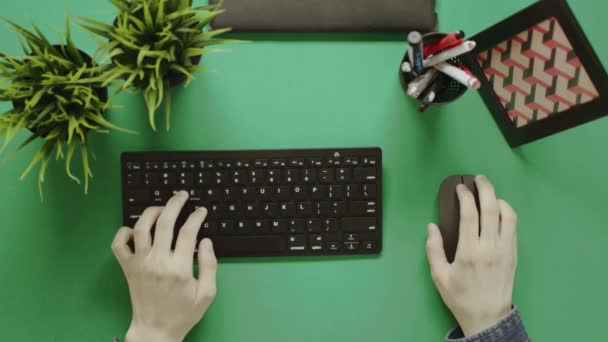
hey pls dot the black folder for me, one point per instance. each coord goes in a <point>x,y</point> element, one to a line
<point>327,15</point>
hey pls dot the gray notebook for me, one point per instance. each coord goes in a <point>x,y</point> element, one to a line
<point>327,15</point>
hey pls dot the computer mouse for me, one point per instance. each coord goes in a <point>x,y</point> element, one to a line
<point>449,211</point>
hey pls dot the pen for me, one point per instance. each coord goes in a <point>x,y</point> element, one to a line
<point>451,40</point>
<point>417,86</point>
<point>458,74</point>
<point>406,67</point>
<point>456,51</point>
<point>414,39</point>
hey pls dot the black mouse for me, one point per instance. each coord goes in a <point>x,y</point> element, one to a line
<point>449,211</point>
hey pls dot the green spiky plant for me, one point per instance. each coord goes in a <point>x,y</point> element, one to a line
<point>153,43</point>
<point>57,96</point>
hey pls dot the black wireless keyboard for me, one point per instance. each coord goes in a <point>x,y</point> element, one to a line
<point>267,203</point>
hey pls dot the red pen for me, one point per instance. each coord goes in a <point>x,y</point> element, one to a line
<point>447,42</point>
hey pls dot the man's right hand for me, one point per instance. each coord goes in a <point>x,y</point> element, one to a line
<point>478,286</point>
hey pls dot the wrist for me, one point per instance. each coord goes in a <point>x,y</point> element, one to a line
<point>137,333</point>
<point>477,324</point>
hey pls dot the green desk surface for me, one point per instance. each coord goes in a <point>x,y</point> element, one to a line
<point>59,280</point>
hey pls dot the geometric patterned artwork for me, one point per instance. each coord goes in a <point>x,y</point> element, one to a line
<point>537,73</point>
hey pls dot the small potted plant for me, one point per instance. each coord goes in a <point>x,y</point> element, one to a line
<point>155,45</point>
<point>57,95</point>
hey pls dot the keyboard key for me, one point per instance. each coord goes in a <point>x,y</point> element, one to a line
<point>287,209</point>
<point>368,161</point>
<point>134,212</point>
<point>231,194</point>
<point>279,226</point>
<point>244,227</point>
<point>252,210</point>
<point>362,208</point>
<point>336,191</point>
<point>351,246</point>
<point>196,195</point>
<point>314,225</point>
<point>330,225</point>
<point>296,243</point>
<point>185,178</point>
<point>316,242</point>
<point>333,246</point>
<point>369,245</point>
<point>351,237</point>
<point>300,192</point>
<point>322,209</point>
<point>351,161</point>
<point>369,191</point>
<point>276,163</point>
<point>344,175</point>
<point>221,177</point>
<point>260,163</point>
<point>297,226</point>
<point>291,176</point>
<point>318,192</point>
<point>338,209</point>
<point>159,197</point>
<point>354,192</point>
<point>238,177</point>
<point>212,194</point>
<point>234,210</point>
<point>249,194</point>
<point>257,177</point>
<point>274,177</point>
<point>327,175</point>
<point>264,193</point>
<point>364,174</point>
<point>282,193</point>
<point>249,245</point>
<point>208,228</point>
<point>270,209</point>
<point>202,178</point>
<point>134,165</point>
<point>359,224</point>
<point>308,176</point>
<point>261,226</point>
<point>225,227</point>
<point>138,196</point>
<point>315,162</point>
<point>133,179</point>
<point>304,209</point>
<point>168,178</point>
<point>245,164</point>
<point>216,211</point>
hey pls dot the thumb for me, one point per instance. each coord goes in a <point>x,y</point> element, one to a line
<point>435,253</point>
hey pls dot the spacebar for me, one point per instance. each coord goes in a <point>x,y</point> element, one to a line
<point>248,245</point>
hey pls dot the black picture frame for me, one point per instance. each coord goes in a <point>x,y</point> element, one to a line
<point>557,122</point>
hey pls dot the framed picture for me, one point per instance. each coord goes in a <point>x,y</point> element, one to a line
<point>539,74</point>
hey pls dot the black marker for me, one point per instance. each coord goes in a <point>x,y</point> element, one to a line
<point>433,91</point>
<point>415,51</point>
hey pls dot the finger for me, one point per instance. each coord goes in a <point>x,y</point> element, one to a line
<point>163,236</point>
<point>143,226</point>
<point>469,220</point>
<point>207,269</point>
<point>508,224</point>
<point>186,240</point>
<point>120,246</point>
<point>436,254</point>
<point>488,211</point>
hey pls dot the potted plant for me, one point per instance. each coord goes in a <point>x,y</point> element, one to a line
<point>56,95</point>
<point>155,45</point>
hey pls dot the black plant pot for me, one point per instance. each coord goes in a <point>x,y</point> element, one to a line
<point>102,92</point>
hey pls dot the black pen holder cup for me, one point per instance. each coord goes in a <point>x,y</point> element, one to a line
<point>453,89</point>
